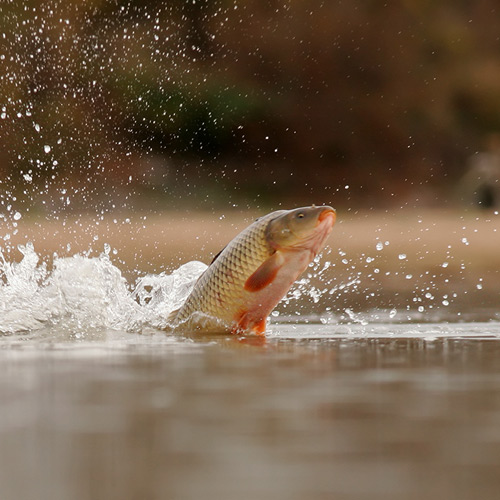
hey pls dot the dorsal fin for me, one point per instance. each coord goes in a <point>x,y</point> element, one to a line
<point>217,256</point>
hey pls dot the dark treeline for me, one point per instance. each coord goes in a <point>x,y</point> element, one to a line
<point>269,91</point>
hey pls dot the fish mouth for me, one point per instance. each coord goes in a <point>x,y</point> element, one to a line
<point>326,220</point>
<point>327,213</point>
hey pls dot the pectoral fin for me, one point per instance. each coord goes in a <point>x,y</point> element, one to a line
<point>265,273</point>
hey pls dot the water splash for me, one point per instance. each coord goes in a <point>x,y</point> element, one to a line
<point>159,295</point>
<point>84,294</point>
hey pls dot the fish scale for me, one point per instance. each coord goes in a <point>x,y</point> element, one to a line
<point>221,287</point>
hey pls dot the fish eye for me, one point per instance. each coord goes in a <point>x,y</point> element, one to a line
<point>300,215</point>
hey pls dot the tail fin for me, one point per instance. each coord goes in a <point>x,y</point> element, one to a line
<point>172,316</point>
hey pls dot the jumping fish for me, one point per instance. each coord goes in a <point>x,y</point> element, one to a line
<point>247,279</point>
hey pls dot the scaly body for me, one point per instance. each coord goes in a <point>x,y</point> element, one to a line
<point>249,277</point>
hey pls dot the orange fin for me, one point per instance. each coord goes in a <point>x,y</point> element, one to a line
<point>260,327</point>
<point>241,324</point>
<point>265,273</point>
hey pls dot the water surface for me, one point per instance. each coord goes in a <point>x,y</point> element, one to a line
<point>379,378</point>
<point>374,411</point>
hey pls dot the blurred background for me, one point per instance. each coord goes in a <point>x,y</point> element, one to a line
<point>153,131</point>
<point>131,104</point>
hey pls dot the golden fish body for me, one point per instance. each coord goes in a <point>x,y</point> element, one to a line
<point>255,270</point>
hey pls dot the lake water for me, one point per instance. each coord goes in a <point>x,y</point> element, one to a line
<point>378,379</point>
<point>314,411</point>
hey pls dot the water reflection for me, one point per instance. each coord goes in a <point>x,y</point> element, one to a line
<point>157,417</point>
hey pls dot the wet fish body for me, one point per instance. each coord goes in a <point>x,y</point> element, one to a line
<point>248,278</point>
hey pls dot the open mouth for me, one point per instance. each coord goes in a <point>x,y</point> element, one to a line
<point>327,213</point>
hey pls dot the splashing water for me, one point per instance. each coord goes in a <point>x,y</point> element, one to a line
<point>83,294</point>
<point>159,295</point>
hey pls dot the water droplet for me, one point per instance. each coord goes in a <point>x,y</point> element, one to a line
<point>402,256</point>
<point>379,246</point>
<point>17,216</point>
<point>46,149</point>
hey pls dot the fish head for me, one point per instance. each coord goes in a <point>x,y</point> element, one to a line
<point>301,228</point>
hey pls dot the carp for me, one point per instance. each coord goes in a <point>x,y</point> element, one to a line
<point>247,279</point>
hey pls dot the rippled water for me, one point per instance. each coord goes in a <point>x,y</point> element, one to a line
<point>98,403</point>
<point>313,411</point>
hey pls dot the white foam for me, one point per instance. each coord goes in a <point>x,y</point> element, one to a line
<point>83,294</point>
